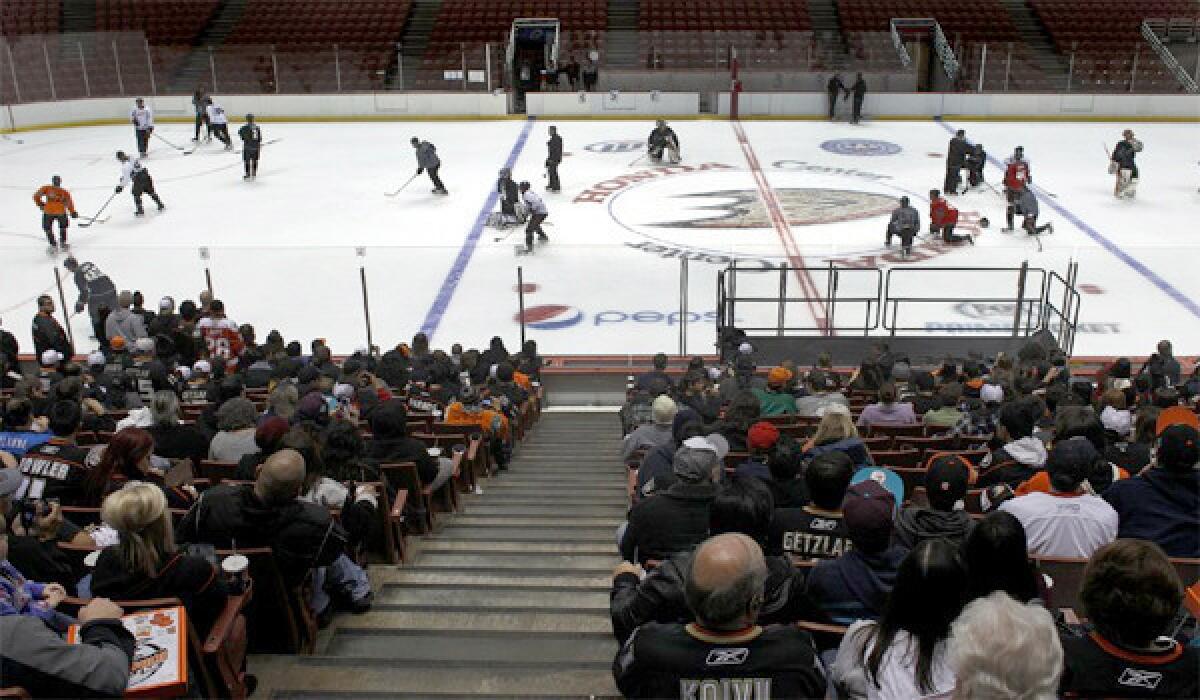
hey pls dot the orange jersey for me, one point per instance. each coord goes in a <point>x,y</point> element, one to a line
<point>489,421</point>
<point>53,200</point>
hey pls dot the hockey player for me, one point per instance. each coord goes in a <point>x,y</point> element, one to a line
<point>537,214</point>
<point>956,158</point>
<point>1027,206</point>
<point>905,223</point>
<point>427,159</point>
<point>1017,179</point>
<point>133,171</point>
<point>55,202</point>
<point>943,218</point>
<point>554,154</point>
<point>859,92</point>
<point>95,288</point>
<point>142,118</point>
<point>199,103</point>
<point>662,138</point>
<point>1123,166</point>
<point>832,88</point>
<point>976,160</point>
<point>220,123</point>
<point>509,196</point>
<point>251,136</point>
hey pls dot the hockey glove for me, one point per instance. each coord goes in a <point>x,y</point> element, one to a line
<point>79,307</point>
<point>74,215</point>
<point>420,170</point>
<point>119,189</point>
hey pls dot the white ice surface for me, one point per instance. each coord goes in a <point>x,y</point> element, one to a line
<point>283,250</point>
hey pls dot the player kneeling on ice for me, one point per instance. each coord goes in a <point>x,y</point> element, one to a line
<point>133,171</point>
<point>905,223</point>
<point>537,214</point>
<point>1027,206</point>
<point>1122,165</point>
<point>510,197</point>
<point>663,138</point>
<point>55,202</point>
<point>943,218</point>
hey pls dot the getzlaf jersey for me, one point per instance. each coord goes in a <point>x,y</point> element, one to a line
<point>1097,668</point>
<point>222,339</point>
<point>809,535</point>
<point>56,469</point>
<point>687,661</point>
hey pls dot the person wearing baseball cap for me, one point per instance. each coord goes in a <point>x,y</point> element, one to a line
<point>946,480</point>
<point>1068,521</point>
<point>1162,504</point>
<point>776,399</point>
<point>657,432</point>
<point>676,519</point>
<point>761,438</point>
<point>856,585</point>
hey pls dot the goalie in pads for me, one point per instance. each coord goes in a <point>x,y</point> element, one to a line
<point>1123,166</point>
<point>663,141</point>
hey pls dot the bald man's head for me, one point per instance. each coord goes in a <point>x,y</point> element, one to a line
<point>281,478</point>
<point>725,582</point>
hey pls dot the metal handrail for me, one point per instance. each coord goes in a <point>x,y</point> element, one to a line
<point>1168,58</point>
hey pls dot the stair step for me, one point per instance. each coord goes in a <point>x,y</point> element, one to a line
<point>475,620</point>
<point>476,647</point>
<point>325,677</point>
<point>486,598</point>
<point>468,577</point>
<point>501,561</point>
<point>615,511</point>
<point>550,479</point>
<point>446,544</point>
<point>549,535</point>
<point>564,523</point>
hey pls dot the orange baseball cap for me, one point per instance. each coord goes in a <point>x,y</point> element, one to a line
<point>117,343</point>
<point>779,375</point>
<point>1176,415</point>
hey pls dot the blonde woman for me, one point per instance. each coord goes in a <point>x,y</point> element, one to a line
<point>836,432</point>
<point>145,563</point>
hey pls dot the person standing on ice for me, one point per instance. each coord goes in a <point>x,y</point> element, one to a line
<point>663,138</point>
<point>251,136</point>
<point>142,118</point>
<point>833,87</point>
<point>537,214</point>
<point>133,171</point>
<point>55,201</point>
<point>506,187</point>
<point>554,155</point>
<point>1123,166</point>
<point>956,158</point>
<point>427,160</point>
<point>859,91</point>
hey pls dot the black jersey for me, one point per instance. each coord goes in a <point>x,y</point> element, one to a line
<point>1097,668</point>
<point>808,535</point>
<point>92,282</point>
<point>56,469</point>
<point>251,136</point>
<point>146,377</point>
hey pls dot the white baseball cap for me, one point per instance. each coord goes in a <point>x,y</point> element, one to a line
<point>96,358</point>
<point>51,357</point>
<point>202,366</point>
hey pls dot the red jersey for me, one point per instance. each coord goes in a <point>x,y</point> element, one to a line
<point>941,213</point>
<point>1016,174</point>
<point>222,339</point>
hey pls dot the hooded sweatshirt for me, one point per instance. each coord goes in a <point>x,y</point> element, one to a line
<point>1012,464</point>
<point>856,585</point>
<point>1160,506</point>
<point>656,465</point>
<point>914,525</point>
<point>126,324</point>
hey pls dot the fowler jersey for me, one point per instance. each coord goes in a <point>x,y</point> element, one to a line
<point>1016,173</point>
<point>55,469</point>
<point>222,339</point>
<point>54,201</point>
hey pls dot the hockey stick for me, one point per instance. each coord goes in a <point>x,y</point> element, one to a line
<point>401,189</point>
<point>264,143</point>
<point>635,160</point>
<point>96,219</point>
<point>155,135</point>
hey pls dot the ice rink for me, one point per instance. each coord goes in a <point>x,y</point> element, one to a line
<point>285,251</point>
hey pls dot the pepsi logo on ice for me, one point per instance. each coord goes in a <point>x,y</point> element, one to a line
<point>555,317</point>
<point>625,146</point>
<point>861,147</point>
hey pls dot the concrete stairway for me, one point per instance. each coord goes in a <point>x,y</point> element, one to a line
<point>413,41</point>
<point>79,16</point>
<point>827,32</point>
<point>508,599</point>
<point>1037,38</point>
<point>621,47</point>
<point>195,70</point>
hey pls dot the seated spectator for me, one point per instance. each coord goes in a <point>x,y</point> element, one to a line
<point>823,393</point>
<point>57,468</point>
<point>71,389</point>
<point>1067,521</point>
<point>33,543</point>
<point>743,412</point>
<point>742,379</point>
<point>282,402</point>
<point>1022,454</point>
<point>236,421</point>
<point>174,439</point>
<point>724,590</point>
<point>20,432</point>
<point>655,469</point>
<point>655,433</point>
<point>471,409</point>
<point>676,519</point>
<point>1162,504</point>
<point>887,411</point>
<point>358,507</point>
<point>127,458</point>
<point>1130,595</point>
<point>390,443</point>
<point>997,557</point>
<point>230,387</point>
<point>922,396</point>
<point>34,657</point>
<point>836,432</point>
<point>267,436</point>
<point>1024,661</point>
<point>343,453</point>
<point>303,536</point>
<point>761,439</point>
<point>20,596</point>
<point>816,530</point>
<point>903,655</point>
<point>776,399</point>
<point>946,480</point>
<point>784,462</point>
<point>200,385</point>
<point>742,506</point>
<point>656,381</point>
<point>947,415</point>
<point>856,585</point>
<point>698,393</point>
<point>145,563</point>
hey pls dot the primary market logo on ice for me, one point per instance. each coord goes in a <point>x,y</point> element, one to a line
<point>861,147</point>
<point>624,146</point>
<point>556,317</point>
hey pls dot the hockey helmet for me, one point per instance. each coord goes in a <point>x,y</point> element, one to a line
<point>524,185</point>
<point>56,180</point>
<point>983,222</point>
<point>70,263</point>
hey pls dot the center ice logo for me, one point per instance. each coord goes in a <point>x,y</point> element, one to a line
<point>803,206</point>
<point>861,147</point>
